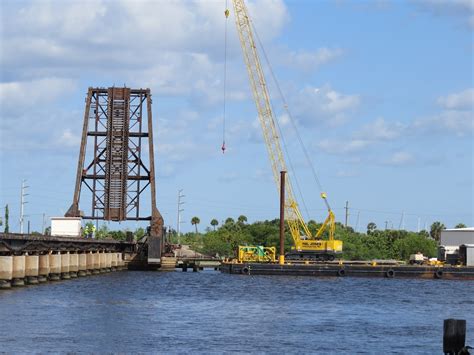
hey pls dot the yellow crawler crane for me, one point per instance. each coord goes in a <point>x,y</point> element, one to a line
<point>306,245</point>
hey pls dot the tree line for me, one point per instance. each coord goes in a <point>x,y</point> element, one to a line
<point>223,240</point>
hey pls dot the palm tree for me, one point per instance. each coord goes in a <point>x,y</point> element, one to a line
<point>229,220</point>
<point>7,227</point>
<point>242,219</point>
<point>460,225</point>
<point>195,221</point>
<point>371,227</point>
<point>435,230</point>
<point>214,223</point>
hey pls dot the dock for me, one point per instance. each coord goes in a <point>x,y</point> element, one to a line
<point>348,269</point>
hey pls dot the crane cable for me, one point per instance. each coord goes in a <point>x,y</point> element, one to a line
<point>280,131</point>
<point>290,116</point>
<point>226,13</point>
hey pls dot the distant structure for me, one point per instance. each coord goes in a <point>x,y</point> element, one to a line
<point>457,245</point>
<point>113,166</point>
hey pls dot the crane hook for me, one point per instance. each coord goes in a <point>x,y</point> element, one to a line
<point>223,147</point>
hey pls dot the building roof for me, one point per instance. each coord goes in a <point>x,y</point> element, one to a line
<point>468,229</point>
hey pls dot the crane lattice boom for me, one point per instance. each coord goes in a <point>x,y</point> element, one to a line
<point>302,237</point>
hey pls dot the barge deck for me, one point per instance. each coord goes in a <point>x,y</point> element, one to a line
<point>351,270</point>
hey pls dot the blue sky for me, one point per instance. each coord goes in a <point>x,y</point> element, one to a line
<point>381,91</point>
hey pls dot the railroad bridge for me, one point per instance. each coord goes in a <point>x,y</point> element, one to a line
<point>115,176</point>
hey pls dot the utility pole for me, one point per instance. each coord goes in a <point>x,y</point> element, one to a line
<point>22,203</point>
<point>180,196</point>
<point>357,223</point>
<point>347,213</point>
<point>386,224</point>
<point>402,221</point>
<point>419,221</point>
<point>42,226</point>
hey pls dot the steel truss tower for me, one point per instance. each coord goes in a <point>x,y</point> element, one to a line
<point>117,124</point>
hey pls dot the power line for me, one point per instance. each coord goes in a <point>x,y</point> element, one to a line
<point>180,196</point>
<point>22,203</point>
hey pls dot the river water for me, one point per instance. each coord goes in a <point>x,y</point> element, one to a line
<point>209,312</point>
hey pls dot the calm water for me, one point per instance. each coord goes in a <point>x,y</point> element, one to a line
<point>209,312</point>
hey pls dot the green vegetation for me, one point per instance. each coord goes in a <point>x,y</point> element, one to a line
<point>223,239</point>
<point>214,223</point>
<point>195,221</point>
<point>435,230</point>
<point>376,244</point>
<point>7,228</point>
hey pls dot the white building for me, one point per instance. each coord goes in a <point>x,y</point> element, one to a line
<point>453,238</point>
<point>66,226</point>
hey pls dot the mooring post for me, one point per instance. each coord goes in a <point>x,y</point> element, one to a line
<point>281,259</point>
<point>454,335</point>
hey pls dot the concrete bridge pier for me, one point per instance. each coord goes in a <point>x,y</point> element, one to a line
<point>65,265</point>
<point>108,261</point>
<point>113,262</point>
<point>168,263</point>
<point>89,263</point>
<point>18,277</point>
<point>96,263</point>
<point>82,268</point>
<point>102,262</point>
<point>31,269</point>
<point>6,271</point>
<point>55,266</point>
<point>121,262</point>
<point>73,265</point>
<point>43,267</point>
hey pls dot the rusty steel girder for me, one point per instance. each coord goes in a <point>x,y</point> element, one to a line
<point>112,164</point>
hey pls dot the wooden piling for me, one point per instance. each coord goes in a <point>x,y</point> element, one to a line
<point>454,335</point>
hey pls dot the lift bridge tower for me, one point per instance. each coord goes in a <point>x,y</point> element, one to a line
<point>114,165</point>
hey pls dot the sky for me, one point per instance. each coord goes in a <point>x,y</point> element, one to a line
<point>381,92</point>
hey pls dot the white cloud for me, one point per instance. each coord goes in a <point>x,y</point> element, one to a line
<point>460,123</point>
<point>400,158</point>
<point>456,118</point>
<point>462,9</point>
<point>343,147</point>
<point>459,100</point>
<point>312,105</point>
<point>380,129</point>
<point>68,139</point>
<point>307,60</point>
<point>19,95</point>
<point>57,34</point>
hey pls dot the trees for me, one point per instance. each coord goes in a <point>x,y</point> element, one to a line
<point>7,227</point>
<point>102,232</point>
<point>242,219</point>
<point>371,227</point>
<point>214,223</point>
<point>435,230</point>
<point>139,233</point>
<point>460,225</point>
<point>195,221</point>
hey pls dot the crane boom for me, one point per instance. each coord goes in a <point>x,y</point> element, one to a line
<point>302,237</point>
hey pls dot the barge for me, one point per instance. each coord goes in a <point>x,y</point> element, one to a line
<point>347,269</point>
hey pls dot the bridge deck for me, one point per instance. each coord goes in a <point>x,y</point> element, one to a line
<point>14,242</point>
